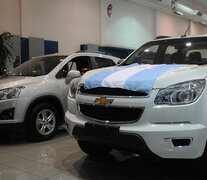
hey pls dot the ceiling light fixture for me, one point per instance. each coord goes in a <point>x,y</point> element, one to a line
<point>179,13</point>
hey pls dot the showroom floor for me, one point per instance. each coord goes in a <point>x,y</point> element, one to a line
<point>61,158</point>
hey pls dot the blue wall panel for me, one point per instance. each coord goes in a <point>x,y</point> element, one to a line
<point>114,51</point>
<point>51,47</point>
<point>24,49</point>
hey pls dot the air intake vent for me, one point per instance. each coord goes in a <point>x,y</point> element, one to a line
<point>111,114</point>
<point>111,91</point>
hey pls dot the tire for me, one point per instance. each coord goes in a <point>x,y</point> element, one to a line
<point>42,122</point>
<point>93,149</point>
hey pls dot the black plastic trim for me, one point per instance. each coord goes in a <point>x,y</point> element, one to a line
<point>110,136</point>
<point>7,114</point>
<point>11,128</point>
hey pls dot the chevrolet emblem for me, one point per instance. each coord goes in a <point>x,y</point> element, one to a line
<point>103,101</point>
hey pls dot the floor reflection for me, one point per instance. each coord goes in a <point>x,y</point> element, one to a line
<point>61,158</point>
<point>142,168</point>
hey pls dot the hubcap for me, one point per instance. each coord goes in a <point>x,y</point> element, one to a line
<point>45,122</point>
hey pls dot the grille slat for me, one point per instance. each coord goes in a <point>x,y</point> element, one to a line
<point>111,114</point>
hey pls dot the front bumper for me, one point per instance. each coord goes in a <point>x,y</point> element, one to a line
<point>167,131</point>
<point>12,111</point>
<point>111,137</point>
<point>157,138</point>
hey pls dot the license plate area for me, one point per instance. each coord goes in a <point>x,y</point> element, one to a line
<point>101,131</point>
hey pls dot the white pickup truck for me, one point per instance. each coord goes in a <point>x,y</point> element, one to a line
<point>153,102</point>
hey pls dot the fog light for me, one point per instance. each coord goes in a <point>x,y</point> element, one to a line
<point>181,142</point>
<point>7,114</point>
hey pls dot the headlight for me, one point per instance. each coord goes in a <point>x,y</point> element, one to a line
<point>182,93</point>
<point>72,89</point>
<point>10,93</point>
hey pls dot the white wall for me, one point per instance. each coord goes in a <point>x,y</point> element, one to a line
<point>171,25</point>
<point>197,28</point>
<point>129,26</point>
<point>70,22</point>
<point>10,16</point>
<point>74,22</point>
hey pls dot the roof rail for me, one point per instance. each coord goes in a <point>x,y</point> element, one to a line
<point>161,37</point>
<point>99,52</point>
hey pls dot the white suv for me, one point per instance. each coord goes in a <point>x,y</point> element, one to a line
<point>154,102</point>
<point>33,95</point>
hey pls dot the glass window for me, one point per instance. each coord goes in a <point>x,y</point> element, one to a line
<point>37,66</point>
<point>171,51</point>
<point>145,55</point>
<point>81,64</point>
<point>169,55</point>
<point>72,65</point>
<point>197,56</point>
<point>103,62</point>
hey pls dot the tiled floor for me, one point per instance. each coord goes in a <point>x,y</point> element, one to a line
<point>61,158</point>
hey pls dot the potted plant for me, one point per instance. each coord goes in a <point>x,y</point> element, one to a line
<point>5,46</point>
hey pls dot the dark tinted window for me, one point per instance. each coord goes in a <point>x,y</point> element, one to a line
<point>172,51</point>
<point>103,62</point>
<point>81,64</point>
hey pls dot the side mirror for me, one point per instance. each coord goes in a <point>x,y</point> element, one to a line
<point>71,75</point>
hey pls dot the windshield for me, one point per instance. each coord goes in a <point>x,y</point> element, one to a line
<point>37,66</point>
<point>171,51</point>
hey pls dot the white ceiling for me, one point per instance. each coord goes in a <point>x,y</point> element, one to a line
<point>200,5</point>
<point>165,5</point>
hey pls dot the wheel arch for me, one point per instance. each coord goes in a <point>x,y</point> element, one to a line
<point>50,99</point>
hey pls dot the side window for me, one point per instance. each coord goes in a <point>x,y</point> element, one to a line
<point>72,65</point>
<point>63,72</point>
<point>81,64</point>
<point>196,56</point>
<point>103,62</point>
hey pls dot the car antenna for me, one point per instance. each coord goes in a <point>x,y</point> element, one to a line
<point>186,31</point>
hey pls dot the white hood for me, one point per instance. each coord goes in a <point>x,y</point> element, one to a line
<point>13,81</point>
<point>142,77</point>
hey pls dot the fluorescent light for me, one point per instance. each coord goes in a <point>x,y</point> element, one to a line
<point>203,19</point>
<point>185,9</point>
<point>179,13</point>
<point>202,22</point>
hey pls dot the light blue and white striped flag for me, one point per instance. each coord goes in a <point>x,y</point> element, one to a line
<point>134,77</point>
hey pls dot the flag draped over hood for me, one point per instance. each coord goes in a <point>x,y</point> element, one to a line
<point>134,77</point>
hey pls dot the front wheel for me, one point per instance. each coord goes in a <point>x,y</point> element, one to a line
<point>93,149</point>
<point>42,122</point>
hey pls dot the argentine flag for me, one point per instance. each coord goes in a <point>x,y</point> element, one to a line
<point>134,77</point>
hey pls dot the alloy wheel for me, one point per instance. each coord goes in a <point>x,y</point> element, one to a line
<point>45,122</point>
